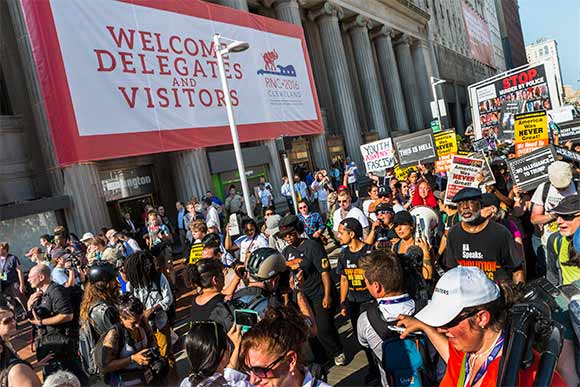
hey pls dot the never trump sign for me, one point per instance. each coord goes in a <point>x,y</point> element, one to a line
<point>130,77</point>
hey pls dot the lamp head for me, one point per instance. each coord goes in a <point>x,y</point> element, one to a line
<point>237,46</point>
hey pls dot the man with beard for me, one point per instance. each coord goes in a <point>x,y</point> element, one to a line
<point>479,242</point>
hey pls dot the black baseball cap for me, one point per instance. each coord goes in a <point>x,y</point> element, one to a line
<point>353,225</point>
<point>568,206</point>
<point>467,193</point>
<point>288,224</point>
<point>385,190</point>
<point>403,217</point>
<point>384,207</point>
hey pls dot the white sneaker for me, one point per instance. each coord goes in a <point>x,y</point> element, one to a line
<point>340,360</point>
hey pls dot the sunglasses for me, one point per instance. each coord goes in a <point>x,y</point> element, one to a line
<point>343,201</point>
<point>568,217</point>
<point>7,320</point>
<point>302,207</point>
<point>459,318</point>
<point>268,371</point>
<point>383,212</point>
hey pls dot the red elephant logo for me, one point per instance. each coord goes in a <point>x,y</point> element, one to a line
<point>269,58</point>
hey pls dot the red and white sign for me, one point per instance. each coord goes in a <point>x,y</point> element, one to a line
<point>131,77</point>
<point>478,36</point>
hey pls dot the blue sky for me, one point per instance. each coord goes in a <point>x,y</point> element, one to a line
<point>555,19</point>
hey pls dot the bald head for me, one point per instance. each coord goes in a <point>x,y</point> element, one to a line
<point>39,276</point>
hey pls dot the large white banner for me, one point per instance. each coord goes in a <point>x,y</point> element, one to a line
<point>150,67</point>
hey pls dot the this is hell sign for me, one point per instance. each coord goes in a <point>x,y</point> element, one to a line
<point>129,77</point>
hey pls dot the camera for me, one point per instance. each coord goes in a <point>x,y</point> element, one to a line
<point>156,363</point>
<point>41,312</point>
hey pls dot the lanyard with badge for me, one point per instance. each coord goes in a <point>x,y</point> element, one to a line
<point>3,274</point>
<point>395,301</point>
<point>465,371</point>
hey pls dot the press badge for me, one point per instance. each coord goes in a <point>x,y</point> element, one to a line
<point>4,276</point>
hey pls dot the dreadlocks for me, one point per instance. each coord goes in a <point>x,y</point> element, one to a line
<point>139,269</point>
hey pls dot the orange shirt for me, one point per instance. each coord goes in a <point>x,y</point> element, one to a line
<point>525,377</point>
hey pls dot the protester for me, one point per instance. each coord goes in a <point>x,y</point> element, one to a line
<point>313,262</point>
<point>373,192</point>
<point>381,229</point>
<point>351,174</point>
<point>247,243</point>
<point>271,351</point>
<point>423,196</point>
<point>383,277</point>
<point>286,192</point>
<point>62,379</point>
<point>152,289</point>
<point>465,322</point>
<point>314,225</point>
<point>14,372</point>
<point>212,218</point>
<point>478,242</point>
<point>37,256</point>
<point>347,210</point>
<point>208,276</point>
<point>98,309</point>
<point>321,187</point>
<point>213,356</point>
<point>301,189</point>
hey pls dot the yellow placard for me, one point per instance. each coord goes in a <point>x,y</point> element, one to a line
<point>403,173</point>
<point>195,253</point>
<point>446,142</point>
<point>530,132</point>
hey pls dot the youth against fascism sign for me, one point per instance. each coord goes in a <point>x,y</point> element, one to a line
<point>378,155</point>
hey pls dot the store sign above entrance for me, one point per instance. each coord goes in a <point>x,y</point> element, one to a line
<point>125,183</point>
<point>131,77</point>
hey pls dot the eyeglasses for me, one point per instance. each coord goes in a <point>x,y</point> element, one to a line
<point>568,217</point>
<point>302,207</point>
<point>460,318</point>
<point>268,371</point>
<point>7,320</point>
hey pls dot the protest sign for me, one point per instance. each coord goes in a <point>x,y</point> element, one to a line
<point>567,154</point>
<point>530,132</point>
<point>463,173</point>
<point>481,145</point>
<point>488,177</point>
<point>415,147</point>
<point>506,120</point>
<point>533,86</point>
<point>234,226</point>
<point>562,114</point>
<point>446,144</point>
<point>569,133</point>
<point>378,155</point>
<point>195,253</point>
<point>403,173</point>
<point>531,170</point>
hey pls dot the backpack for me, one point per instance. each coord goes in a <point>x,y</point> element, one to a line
<point>405,362</point>
<point>91,347</point>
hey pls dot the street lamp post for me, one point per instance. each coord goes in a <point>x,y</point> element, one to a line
<point>435,82</point>
<point>234,46</point>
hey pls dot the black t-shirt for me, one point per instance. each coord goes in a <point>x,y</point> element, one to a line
<point>311,257</point>
<point>492,249</point>
<point>348,266</point>
<point>57,300</point>
<point>202,312</point>
<point>382,240</point>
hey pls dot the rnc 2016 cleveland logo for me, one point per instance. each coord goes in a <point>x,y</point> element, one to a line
<point>270,66</point>
<point>281,82</point>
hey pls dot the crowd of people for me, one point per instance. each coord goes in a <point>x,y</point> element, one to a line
<point>401,263</point>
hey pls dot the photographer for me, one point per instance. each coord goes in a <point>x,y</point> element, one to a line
<point>130,353</point>
<point>153,290</point>
<point>98,308</point>
<point>65,272</point>
<point>52,314</point>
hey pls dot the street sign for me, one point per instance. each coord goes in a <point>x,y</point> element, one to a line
<point>435,126</point>
<point>442,109</point>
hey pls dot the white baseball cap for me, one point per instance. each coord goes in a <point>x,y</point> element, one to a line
<point>459,288</point>
<point>87,236</point>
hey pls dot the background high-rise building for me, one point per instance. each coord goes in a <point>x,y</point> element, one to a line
<point>546,50</point>
<point>510,26</point>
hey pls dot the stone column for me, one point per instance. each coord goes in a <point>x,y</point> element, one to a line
<point>237,4</point>
<point>358,29</point>
<point>409,82</point>
<point>423,81</point>
<point>390,77</point>
<point>289,11</point>
<point>81,182</point>
<point>191,174</point>
<point>459,121</point>
<point>360,107</point>
<point>327,19</point>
